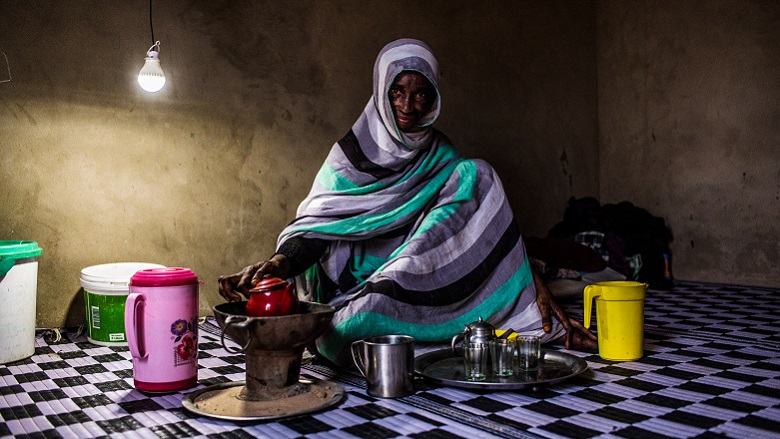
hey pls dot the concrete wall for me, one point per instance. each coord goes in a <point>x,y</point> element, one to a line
<point>205,173</point>
<point>689,128</point>
<point>670,105</point>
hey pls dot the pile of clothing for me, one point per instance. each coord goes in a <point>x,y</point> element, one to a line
<point>610,242</point>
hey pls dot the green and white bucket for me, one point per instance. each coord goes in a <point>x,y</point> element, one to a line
<point>105,292</point>
<point>18,291</point>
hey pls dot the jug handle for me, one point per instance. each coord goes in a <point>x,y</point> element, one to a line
<point>590,293</point>
<point>241,323</point>
<point>133,310</point>
<point>357,356</point>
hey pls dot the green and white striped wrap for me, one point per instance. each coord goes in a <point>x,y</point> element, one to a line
<point>423,242</point>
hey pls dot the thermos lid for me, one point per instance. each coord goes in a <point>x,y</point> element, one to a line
<point>163,277</point>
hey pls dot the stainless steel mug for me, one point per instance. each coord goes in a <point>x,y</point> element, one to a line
<point>387,362</point>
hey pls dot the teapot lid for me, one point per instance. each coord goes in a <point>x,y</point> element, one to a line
<point>268,283</point>
<point>481,326</point>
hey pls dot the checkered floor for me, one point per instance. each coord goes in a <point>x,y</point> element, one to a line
<point>711,369</point>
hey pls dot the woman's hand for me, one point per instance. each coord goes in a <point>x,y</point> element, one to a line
<point>577,336</point>
<point>231,285</point>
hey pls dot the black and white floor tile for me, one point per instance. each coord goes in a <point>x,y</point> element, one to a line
<point>711,369</point>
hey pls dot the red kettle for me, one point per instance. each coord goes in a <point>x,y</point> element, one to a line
<point>272,297</point>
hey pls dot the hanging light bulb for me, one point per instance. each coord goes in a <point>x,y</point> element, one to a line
<point>151,78</point>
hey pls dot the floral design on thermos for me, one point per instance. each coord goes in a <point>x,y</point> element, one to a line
<point>186,333</point>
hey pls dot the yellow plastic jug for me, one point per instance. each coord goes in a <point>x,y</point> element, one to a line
<point>620,314</point>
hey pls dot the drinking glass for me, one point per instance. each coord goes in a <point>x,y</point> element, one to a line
<point>502,355</point>
<point>529,348</point>
<point>475,361</point>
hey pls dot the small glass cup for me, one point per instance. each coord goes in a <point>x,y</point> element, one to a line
<point>502,355</point>
<point>475,357</point>
<point>529,349</point>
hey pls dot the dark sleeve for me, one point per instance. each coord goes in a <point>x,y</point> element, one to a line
<point>302,253</point>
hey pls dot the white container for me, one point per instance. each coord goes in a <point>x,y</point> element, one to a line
<point>106,287</point>
<point>18,291</point>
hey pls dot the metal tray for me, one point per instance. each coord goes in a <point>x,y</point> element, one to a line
<point>330,394</point>
<point>443,367</point>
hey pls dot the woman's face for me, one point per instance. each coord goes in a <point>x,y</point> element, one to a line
<point>411,97</point>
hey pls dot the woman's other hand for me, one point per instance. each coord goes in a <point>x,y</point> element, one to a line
<point>231,285</point>
<point>577,336</point>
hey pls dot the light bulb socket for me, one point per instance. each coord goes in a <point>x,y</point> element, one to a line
<point>157,45</point>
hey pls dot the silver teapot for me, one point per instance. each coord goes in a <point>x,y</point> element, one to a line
<point>477,332</point>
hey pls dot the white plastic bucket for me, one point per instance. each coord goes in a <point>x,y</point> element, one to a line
<point>18,291</point>
<point>105,292</point>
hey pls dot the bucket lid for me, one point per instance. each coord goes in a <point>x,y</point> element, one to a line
<point>112,277</point>
<point>19,249</point>
<point>164,277</point>
<point>11,250</point>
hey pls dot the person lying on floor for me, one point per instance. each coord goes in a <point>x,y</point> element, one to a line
<point>402,235</point>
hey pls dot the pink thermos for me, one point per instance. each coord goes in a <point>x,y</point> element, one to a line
<point>161,322</point>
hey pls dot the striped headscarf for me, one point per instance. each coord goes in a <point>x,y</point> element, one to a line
<point>396,57</point>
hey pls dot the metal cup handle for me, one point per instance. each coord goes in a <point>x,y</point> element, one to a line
<point>240,322</point>
<point>357,356</point>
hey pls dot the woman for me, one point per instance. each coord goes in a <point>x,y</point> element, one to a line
<point>402,235</point>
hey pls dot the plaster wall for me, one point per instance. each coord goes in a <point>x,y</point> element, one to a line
<point>205,173</point>
<point>689,128</point>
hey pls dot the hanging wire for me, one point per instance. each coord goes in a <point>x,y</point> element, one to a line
<point>151,27</point>
<point>8,66</point>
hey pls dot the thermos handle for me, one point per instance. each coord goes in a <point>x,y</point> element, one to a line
<point>590,293</point>
<point>241,322</point>
<point>133,309</point>
<point>357,356</point>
